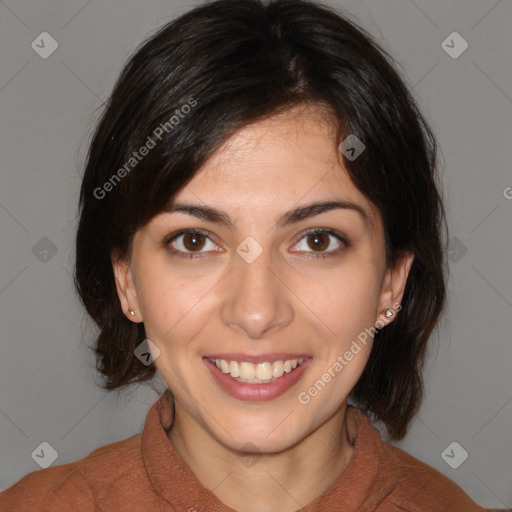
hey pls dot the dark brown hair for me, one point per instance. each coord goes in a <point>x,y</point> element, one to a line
<point>216,69</point>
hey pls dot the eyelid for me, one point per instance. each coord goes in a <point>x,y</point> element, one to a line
<point>188,231</point>
<point>328,231</point>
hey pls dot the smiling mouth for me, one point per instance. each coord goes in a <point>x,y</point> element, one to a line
<point>260,373</point>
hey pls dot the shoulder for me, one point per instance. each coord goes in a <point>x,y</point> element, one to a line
<point>400,481</point>
<point>418,486</point>
<point>76,485</point>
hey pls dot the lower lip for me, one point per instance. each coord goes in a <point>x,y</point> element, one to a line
<point>257,392</point>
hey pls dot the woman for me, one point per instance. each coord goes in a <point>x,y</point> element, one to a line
<point>261,222</point>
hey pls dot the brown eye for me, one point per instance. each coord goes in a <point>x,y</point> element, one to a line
<point>193,241</point>
<point>321,242</point>
<point>190,243</point>
<point>318,241</point>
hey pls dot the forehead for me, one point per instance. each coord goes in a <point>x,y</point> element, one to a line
<point>275,164</point>
<point>295,145</point>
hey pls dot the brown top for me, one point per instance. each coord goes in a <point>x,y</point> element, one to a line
<point>145,473</point>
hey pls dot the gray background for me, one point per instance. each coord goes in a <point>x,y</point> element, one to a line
<point>48,108</point>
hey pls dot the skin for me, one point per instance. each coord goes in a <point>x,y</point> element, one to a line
<point>287,300</point>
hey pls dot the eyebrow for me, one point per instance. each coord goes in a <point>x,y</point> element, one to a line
<point>210,214</point>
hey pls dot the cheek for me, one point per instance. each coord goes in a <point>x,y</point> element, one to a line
<point>346,304</point>
<point>173,307</point>
<point>345,298</point>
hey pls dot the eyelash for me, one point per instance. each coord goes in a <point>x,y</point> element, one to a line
<point>313,231</point>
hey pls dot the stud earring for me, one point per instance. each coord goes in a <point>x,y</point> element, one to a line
<point>389,313</point>
<point>132,312</point>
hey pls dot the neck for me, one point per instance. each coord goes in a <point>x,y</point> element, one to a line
<point>283,481</point>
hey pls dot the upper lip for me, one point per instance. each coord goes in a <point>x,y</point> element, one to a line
<point>255,359</point>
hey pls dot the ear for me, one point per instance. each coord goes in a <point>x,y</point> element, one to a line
<point>125,286</point>
<point>393,287</point>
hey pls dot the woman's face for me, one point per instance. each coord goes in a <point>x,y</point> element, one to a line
<point>251,284</point>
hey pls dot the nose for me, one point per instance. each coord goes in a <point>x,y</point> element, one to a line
<point>257,299</point>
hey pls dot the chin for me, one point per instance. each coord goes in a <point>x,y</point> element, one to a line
<point>270,436</point>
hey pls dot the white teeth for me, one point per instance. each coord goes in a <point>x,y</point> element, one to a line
<point>224,366</point>
<point>257,373</point>
<point>264,371</point>
<point>278,369</point>
<point>247,371</point>
<point>234,368</point>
